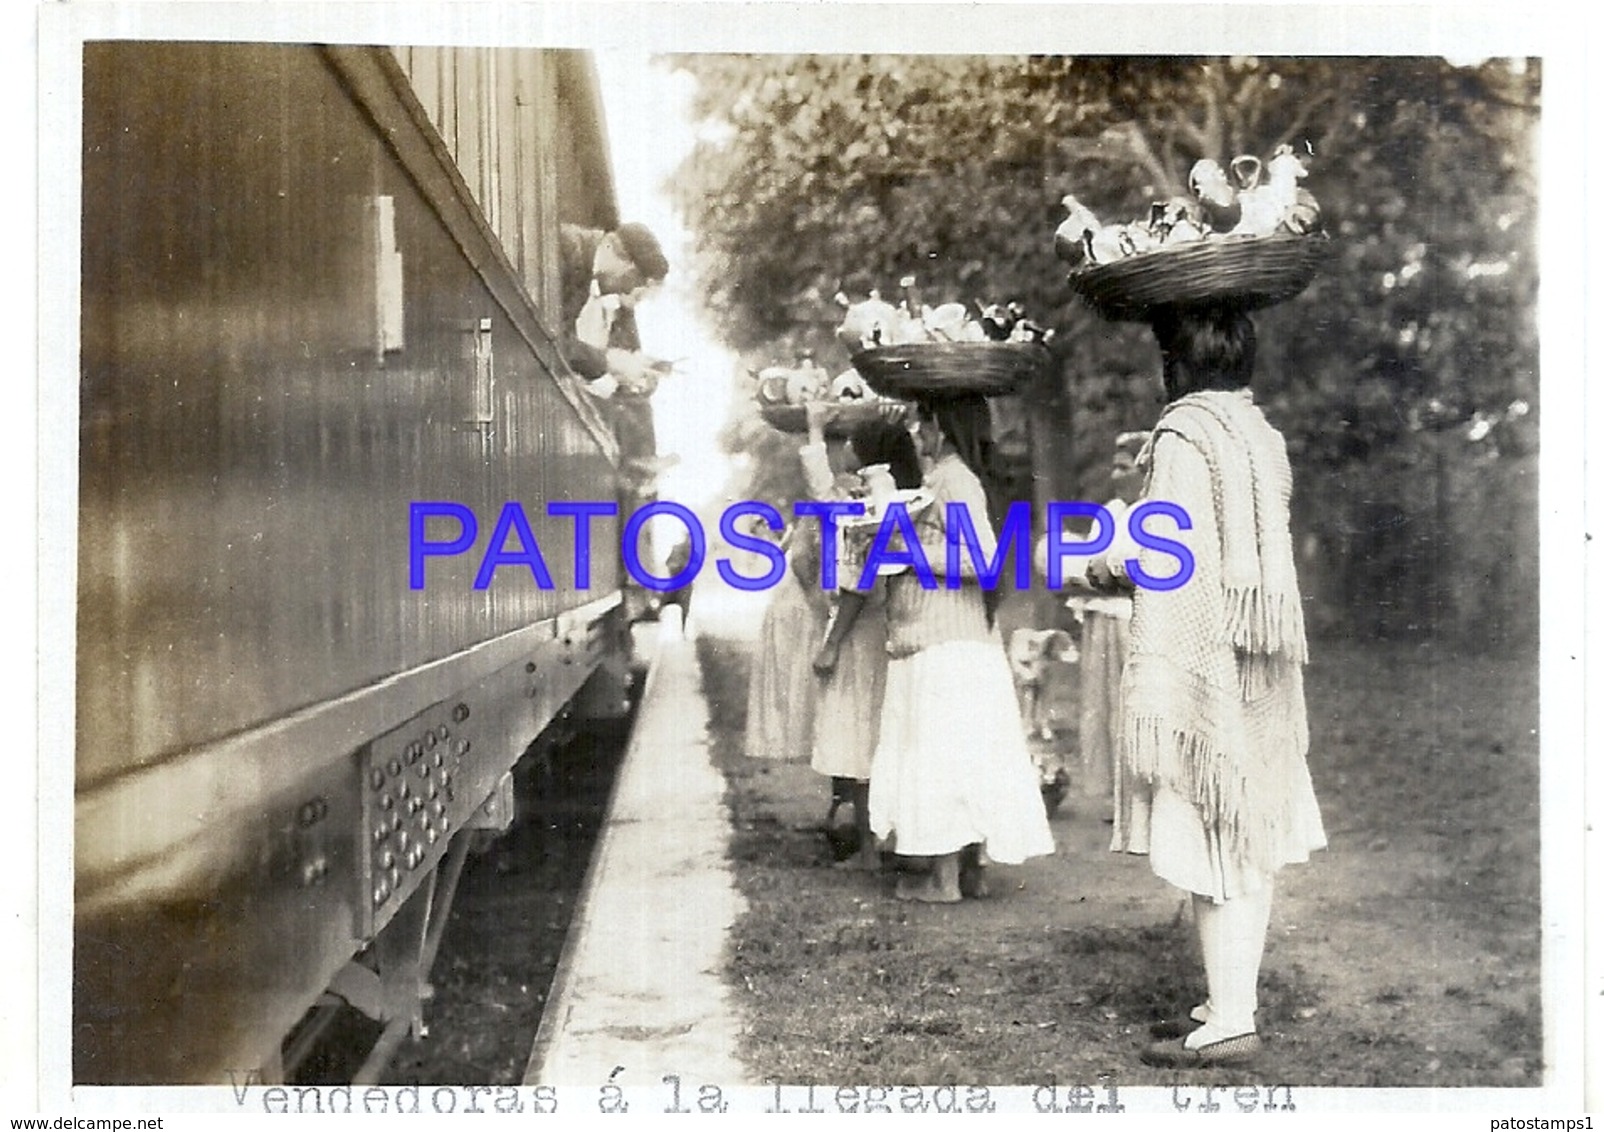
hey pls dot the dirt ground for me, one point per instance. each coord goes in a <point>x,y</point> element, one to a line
<point>1407,954</point>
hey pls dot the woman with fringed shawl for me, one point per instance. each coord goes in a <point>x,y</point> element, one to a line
<point>952,779</point>
<point>1214,731</point>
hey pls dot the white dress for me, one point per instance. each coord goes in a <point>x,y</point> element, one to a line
<point>1183,841</point>
<point>782,699</point>
<point>851,699</point>
<point>952,767</point>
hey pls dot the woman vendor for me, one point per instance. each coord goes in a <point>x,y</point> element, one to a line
<point>782,698</point>
<point>1214,729</point>
<point>851,661</point>
<point>952,778</point>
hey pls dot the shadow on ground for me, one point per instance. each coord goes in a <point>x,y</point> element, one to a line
<point>1407,955</point>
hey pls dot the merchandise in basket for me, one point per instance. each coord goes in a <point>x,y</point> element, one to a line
<point>784,393</point>
<point>915,350</point>
<point>936,369</point>
<point>1249,237</point>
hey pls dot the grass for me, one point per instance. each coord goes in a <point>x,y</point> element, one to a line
<point>1407,955</point>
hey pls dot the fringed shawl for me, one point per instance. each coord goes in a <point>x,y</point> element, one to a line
<point>1213,692</point>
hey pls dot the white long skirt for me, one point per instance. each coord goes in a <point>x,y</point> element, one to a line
<point>852,698</point>
<point>951,767</point>
<point>1169,830</point>
<point>782,699</point>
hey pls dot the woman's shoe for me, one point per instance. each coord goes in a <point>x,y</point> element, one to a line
<point>1239,1050</point>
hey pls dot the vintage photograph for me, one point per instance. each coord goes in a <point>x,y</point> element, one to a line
<point>629,569</point>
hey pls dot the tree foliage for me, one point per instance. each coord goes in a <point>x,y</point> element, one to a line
<point>1394,376</point>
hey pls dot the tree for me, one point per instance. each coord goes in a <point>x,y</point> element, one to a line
<point>1399,375</point>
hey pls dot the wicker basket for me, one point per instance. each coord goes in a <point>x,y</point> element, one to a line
<point>935,369</point>
<point>1244,271</point>
<point>848,415</point>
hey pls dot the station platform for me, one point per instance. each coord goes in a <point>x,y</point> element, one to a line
<point>639,992</point>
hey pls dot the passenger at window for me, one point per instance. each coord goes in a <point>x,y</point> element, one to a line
<point>604,274</point>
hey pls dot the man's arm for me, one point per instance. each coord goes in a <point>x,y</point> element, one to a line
<point>576,249</point>
<point>588,361</point>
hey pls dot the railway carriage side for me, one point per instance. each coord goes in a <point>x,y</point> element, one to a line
<point>319,284</point>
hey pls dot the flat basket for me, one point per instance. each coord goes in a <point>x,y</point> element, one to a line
<point>1248,272</point>
<point>848,415</point>
<point>936,369</point>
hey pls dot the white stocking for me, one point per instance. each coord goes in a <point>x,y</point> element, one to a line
<point>1237,928</point>
<point>1206,914</point>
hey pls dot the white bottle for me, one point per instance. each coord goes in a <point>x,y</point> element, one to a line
<point>882,487</point>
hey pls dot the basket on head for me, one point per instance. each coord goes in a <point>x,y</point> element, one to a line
<point>936,369</point>
<point>848,415</point>
<point>1248,272</point>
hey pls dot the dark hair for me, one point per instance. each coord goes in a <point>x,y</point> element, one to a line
<point>882,442</point>
<point>643,250</point>
<point>965,420</point>
<point>1204,348</point>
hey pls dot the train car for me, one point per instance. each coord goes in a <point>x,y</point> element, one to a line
<point>319,284</point>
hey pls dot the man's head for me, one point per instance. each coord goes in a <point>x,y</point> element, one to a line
<point>628,260</point>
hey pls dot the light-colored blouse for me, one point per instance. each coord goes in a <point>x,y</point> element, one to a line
<point>920,618</point>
